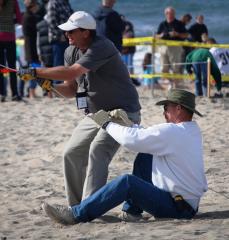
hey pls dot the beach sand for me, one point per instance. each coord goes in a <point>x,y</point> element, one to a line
<point>32,138</point>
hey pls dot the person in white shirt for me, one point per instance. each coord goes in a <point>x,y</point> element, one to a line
<point>221,56</point>
<point>168,178</point>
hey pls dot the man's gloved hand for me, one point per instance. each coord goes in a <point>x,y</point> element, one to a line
<point>45,84</point>
<point>101,117</point>
<point>27,74</point>
<point>120,116</point>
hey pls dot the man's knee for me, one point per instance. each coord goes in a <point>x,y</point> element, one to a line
<point>128,178</point>
<point>67,152</point>
<point>124,181</point>
<point>103,151</point>
<point>70,155</point>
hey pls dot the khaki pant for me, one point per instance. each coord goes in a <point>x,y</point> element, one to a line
<point>86,159</point>
<point>170,55</point>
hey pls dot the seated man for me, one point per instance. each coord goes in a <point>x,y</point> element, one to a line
<point>168,178</point>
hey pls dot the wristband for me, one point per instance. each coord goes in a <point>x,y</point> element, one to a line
<point>105,125</point>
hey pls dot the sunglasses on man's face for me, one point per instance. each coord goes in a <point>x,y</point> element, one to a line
<point>69,32</point>
<point>167,106</point>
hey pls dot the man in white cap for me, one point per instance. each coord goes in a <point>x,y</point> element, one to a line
<point>95,74</point>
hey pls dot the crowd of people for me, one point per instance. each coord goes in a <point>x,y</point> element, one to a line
<point>45,43</point>
<point>174,58</point>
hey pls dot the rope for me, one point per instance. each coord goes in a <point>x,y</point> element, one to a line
<point>222,194</point>
<point>165,64</point>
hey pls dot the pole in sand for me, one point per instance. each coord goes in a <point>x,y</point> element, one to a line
<point>208,77</point>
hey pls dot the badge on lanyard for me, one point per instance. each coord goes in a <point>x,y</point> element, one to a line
<point>81,100</point>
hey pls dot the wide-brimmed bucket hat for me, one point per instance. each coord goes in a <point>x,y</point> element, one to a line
<point>183,98</point>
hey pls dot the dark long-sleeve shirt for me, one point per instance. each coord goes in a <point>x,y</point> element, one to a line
<point>110,25</point>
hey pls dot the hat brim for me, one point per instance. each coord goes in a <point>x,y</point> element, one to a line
<point>164,102</point>
<point>68,26</point>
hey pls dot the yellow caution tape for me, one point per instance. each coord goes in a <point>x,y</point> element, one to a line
<point>225,78</point>
<point>137,41</point>
<point>164,75</point>
<point>155,41</point>
<point>20,42</point>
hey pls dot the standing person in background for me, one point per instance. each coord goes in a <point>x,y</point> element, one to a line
<point>43,45</point>
<point>171,29</point>
<point>109,23</point>
<point>221,56</point>
<point>148,69</point>
<point>186,19</point>
<point>128,52</point>
<point>32,15</point>
<point>9,9</point>
<point>58,11</point>
<point>199,31</point>
<point>197,60</point>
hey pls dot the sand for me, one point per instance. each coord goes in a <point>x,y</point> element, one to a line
<point>32,137</point>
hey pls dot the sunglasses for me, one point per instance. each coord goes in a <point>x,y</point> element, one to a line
<point>167,106</point>
<point>70,32</point>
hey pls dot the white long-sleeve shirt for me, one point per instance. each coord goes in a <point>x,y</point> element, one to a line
<point>177,155</point>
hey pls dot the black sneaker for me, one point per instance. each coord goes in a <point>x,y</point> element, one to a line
<point>3,98</point>
<point>218,95</point>
<point>16,98</point>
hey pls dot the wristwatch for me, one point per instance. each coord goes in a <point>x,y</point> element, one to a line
<point>105,125</point>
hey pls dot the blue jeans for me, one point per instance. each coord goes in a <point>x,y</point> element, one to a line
<point>32,83</point>
<point>128,60</point>
<point>58,49</point>
<point>140,194</point>
<point>200,71</point>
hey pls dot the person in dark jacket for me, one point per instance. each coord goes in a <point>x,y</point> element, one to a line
<point>44,46</point>
<point>109,23</point>
<point>34,13</point>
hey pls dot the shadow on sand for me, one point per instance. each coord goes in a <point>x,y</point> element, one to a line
<point>199,216</point>
<point>213,215</point>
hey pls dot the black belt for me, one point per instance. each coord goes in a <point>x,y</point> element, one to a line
<point>182,205</point>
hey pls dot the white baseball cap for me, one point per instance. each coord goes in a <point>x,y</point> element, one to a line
<point>79,19</point>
